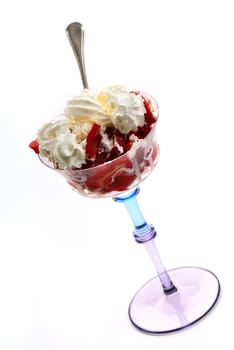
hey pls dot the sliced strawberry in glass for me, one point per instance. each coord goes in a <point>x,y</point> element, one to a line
<point>35,146</point>
<point>119,142</point>
<point>114,153</point>
<point>105,178</point>
<point>128,145</point>
<point>149,116</point>
<point>101,156</point>
<point>93,140</point>
<point>119,139</point>
<point>110,132</point>
<point>122,182</point>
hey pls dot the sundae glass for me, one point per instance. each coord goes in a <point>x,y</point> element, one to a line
<point>174,299</point>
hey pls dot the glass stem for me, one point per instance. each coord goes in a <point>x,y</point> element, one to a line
<point>145,233</point>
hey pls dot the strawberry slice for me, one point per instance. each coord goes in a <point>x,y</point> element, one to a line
<point>111,177</point>
<point>101,155</point>
<point>114,153</point>
<point>35,146</point>
<point>128,145</point>
<point>93,139</point>
<point>122,182</point>
<point>143,131</point>
<point>149,117</point>
<point>110,132</point>
<point>119,139</point>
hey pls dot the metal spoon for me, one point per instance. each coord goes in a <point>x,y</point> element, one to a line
<point>75,33</point>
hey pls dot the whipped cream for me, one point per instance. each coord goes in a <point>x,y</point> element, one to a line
<point>126,109</point>
<point>68,152</point>
<point>86,108</point>
<point>112,106</point>
<point>48,134</point>
<point>63,142</point>
<point>60,145</point>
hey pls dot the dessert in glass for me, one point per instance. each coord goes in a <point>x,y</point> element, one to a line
<point>104,144</point>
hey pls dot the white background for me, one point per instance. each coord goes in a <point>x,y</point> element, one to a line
<point>69,265</point>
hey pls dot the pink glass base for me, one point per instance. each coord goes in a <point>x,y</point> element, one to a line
<point>154,312</point>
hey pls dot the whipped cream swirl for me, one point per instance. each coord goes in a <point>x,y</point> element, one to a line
<point>126,109</point>
<point>68,152</point>
<point>112,106</point>
<point>86,108</point>
<point>59,145</point>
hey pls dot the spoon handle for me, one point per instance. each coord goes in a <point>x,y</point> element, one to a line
<point>75,33</point>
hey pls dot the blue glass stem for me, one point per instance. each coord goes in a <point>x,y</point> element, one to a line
<point>145,233</point>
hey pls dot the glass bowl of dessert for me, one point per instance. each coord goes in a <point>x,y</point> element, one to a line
<point>102,152</point>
